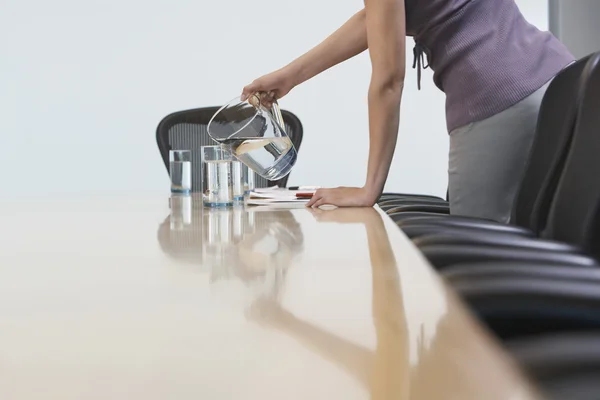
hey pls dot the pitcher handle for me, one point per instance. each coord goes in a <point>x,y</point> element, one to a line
<point>277,114</point>
<point>274,110</point>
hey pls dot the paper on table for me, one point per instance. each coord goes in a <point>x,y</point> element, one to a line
<point>277,196</point>
<point>276,206</point>
<point>266,190</point>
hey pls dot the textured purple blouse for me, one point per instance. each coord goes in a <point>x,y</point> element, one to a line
<point>485,56</point>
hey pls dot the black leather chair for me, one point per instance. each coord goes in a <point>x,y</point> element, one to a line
<point>521,306</point>
<point>391,196</point>
<point>548,318</point>
<point>551,144</point>
<point>548,314</point>
<point>187,130</point>
<point>564,366</point>
<point>389,201</point>
<point>573,227</point>
<point>422,206</point>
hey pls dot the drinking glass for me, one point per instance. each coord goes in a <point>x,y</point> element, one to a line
<point>217,187</point>
<point>180,170</point>
<point>255,134</point>
<point>237,179</point>
<point>248,179</point>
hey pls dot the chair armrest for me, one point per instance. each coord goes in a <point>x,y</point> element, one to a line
<point>409,196</point>
<point>503,269</point>
<point>494,239</point>
<point>561,357</point>
<point>455,220</point>
<point>388,204</point>
<point>442,256</point>
<point>403,216</point>
<point>515,307</point>
<point>416,231</point>
<point>433,208</point>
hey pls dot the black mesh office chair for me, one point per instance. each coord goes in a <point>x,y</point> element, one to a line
<point>187,130</point>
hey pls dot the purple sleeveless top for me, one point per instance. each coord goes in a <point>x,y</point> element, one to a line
<point>485,56</point>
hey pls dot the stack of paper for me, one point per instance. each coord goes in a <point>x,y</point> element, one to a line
<point>277,196</point>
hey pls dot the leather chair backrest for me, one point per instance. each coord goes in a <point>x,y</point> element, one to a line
<point>575,212</point>
<point>556,121</point>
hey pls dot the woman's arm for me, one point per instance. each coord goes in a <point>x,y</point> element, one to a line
<point>386,37</point>
<point>345,43</point>
<point>386,33</point>
<point>348,41</point>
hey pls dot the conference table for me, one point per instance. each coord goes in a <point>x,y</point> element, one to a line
<point>142,296</point>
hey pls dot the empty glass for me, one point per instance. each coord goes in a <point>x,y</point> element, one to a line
<point>180,169</point>
<point>256,136</point>
<point>217,188</point>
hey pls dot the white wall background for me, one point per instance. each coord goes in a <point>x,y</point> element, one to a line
<point>576,24</point>
<point>83,85</point>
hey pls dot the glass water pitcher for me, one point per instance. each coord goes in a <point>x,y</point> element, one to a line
<point>255,134</point>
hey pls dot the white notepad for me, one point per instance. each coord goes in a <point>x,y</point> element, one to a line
<point>270,196</point>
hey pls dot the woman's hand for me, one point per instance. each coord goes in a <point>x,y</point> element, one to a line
<point>271,87</point>
<point>343,197</point>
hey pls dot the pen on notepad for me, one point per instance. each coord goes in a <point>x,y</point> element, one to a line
<point>303,188</point>
<point>306,195</point>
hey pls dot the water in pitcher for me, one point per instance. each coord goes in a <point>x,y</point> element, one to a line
<point>272,158</point>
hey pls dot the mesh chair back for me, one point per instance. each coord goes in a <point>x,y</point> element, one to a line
<point>554,131</point>
<point>575,213</point>
<point>187,130</point>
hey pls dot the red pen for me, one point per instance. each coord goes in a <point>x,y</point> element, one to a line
<point>306,195</point>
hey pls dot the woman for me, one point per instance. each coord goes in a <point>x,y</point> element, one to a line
<point>493,66</point>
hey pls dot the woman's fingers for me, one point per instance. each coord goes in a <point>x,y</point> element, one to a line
<point>249,90</point>
<point>267,98</point>
<point>316,197</point>
<point>254,100</point>
<point>255,90</point>
<point>320,202</point>
<point>312,201</point>
<point>258,86</point>
<point>246,92</point>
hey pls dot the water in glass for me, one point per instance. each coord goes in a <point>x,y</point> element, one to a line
<point>217,178</point>
<point>181,176</point>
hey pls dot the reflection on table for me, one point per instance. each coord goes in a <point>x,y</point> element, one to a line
<point>252,246</point>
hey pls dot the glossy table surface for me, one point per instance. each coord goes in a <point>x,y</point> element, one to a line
<point>125,297</point>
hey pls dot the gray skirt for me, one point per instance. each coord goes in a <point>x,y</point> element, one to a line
<point>488,158</point>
